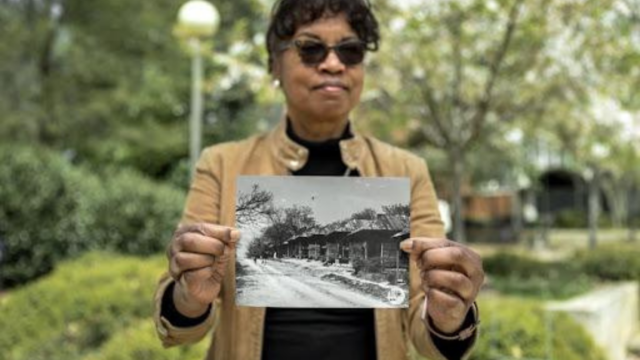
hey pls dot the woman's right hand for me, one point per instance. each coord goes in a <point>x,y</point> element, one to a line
<point>198,256</point>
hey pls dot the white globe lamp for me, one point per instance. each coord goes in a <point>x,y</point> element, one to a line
<point>197,20</point>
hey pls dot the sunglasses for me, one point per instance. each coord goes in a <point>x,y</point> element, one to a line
<point>312,52</point>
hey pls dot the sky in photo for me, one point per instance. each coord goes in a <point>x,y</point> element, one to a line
<point>331,198</point>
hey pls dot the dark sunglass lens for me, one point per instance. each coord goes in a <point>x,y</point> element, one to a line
<point>312,52</point>
<point>350,53</point>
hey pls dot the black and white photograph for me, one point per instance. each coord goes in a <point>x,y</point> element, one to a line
<point>322,242</point>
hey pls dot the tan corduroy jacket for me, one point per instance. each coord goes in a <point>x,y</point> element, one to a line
<point>238,331</point>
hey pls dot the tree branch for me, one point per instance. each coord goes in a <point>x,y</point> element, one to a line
<point>426,92</point>
<point>425,135</point>
<point>456,32</point>
<point>253,206</point>
<point>635,10</point>
<point>484,103</point>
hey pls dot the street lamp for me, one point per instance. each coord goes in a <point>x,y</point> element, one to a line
<point>197,20</point>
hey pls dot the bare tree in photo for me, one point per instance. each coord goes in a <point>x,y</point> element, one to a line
<point>397,210</point>
<point>365,214</point>
<point>254,206</point>
<point>256,249</point>
<point>292,221</point>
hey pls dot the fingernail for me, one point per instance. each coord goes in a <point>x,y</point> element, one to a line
<point>406,245</point>
<point>235,235</point>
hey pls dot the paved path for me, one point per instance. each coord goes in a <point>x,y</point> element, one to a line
<point>283,284</point>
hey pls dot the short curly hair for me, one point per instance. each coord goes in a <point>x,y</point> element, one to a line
<point>288,15</point>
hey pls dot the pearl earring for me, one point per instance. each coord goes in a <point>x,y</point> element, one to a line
<point>276,83</point>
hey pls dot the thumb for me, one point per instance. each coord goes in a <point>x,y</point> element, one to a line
<point>415,247</point>
<point>232,236</point>
<point>407,246</point>
<point>235,235</point>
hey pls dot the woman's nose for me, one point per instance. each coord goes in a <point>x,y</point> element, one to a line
<point>332,63</point>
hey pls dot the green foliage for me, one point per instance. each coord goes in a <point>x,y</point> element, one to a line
<point>521,275</point>
<point>154,149</point>
<point>575,219</point>
<point>571,219</point>
<point>134,215</point>
<point>612,262</point>
<point>115,68</point>
<point>77,307</point>
<point>97,307</point>
<point>45,213</point>
<point>179,176</point>
<point>50,210</point>
<point>517,328</point>
<point>140,342</point>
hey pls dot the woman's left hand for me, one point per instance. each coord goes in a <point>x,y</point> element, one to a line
<point>451,275</point>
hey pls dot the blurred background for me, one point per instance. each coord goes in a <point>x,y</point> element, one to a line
<point>527,112</point>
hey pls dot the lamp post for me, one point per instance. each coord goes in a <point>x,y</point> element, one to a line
<point>197,20</point>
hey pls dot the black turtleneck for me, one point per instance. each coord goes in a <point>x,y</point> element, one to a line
<point>315,334</point>
<point>325,158</point>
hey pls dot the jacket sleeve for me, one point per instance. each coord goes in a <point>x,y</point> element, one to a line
<point>202,205</point>
<point>425,222</point>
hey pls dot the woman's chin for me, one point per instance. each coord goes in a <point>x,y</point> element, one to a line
<point>332,112</point>
<point>328,117</point>
<point>326,114</point>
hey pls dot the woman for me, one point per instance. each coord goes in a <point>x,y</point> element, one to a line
<point>316,49</point>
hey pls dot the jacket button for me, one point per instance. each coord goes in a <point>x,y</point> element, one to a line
<point>162,330</point>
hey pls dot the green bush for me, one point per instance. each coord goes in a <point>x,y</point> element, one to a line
<point>50,210</point>
<point>516,328</point>
<point>135,215</point>
<point>516,274</point>
<point>611,262</point>
<point>44,213</point>
<point>180,175</point>
<point>140,342</point>
<point>509,263</point>
<point>571,219</point>
<point>577,219</point>
<point>78,307</point>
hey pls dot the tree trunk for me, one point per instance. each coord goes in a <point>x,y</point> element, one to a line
<point>457,162</point>
<point>616,196</point>
<point>516,212</point>
<point>631,213</point>
<point>545,215</point>
<point>594,209</point>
